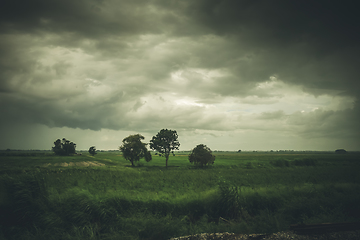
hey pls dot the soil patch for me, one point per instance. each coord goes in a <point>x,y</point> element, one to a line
<point>76,164</point>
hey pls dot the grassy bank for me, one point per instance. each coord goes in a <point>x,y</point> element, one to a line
<point>242,193</point>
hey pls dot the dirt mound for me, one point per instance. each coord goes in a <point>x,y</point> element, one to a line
<point>77,164</point>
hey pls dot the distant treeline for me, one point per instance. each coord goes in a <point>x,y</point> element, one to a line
<point>25,153</point>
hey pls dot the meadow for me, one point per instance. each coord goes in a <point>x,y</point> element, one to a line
<point>241,193</point>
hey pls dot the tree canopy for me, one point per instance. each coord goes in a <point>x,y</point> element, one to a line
<point>64,147</point>
<point>92,150</point>
<point>133,149</point>
<point>342,151</point>
<point>165,142</point>
<point>201,155</point>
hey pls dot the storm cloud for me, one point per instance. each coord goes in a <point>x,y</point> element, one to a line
<point>229,74</point>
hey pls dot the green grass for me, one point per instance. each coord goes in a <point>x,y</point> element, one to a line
<point>241,192</point>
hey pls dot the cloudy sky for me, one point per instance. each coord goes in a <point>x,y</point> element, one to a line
<point>231,74</point>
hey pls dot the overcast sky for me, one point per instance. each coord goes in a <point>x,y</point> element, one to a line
<point>231,74</point>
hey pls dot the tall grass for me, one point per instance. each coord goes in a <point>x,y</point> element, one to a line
<point>152,202</point>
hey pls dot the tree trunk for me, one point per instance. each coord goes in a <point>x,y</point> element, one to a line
<point>166,158</point>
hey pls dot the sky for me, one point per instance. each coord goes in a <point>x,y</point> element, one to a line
<point>230,74</point>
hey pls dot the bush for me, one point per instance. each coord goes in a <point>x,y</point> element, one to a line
<point>304,162</point>
<point>249,165</point>
<point>280,163</point>
<point>201,155</point>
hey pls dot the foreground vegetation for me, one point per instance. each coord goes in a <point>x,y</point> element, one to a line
<point>241,193</point>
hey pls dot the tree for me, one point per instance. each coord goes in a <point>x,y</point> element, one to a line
<point>92,150</point>
<point>201,155</point>
<point>64,147</point>
<point>165,142</point>
<point>341,151</point>
<point>133,149</point>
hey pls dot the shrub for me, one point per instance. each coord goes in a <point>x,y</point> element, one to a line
<point>304,162</point>
<point>280,163</point>
<point>201,155</point>
<point>249,165</point>
<point>340,151</point>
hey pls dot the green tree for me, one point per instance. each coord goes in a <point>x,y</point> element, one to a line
<point>92,150</point>
<point>64,147</point>
<point>133,149</point>
<point>165,142</point>
<point>201,155</point>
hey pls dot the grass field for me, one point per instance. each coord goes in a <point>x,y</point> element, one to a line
<point>241,193</point>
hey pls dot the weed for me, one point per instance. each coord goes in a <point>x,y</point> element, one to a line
<point>280,163</point>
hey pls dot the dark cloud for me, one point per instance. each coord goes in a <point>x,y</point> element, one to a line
<point>281,22</point>
<point>327,124</point>
<point>86,18</point>
<point>311,43</point>
<point>203,64</point>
